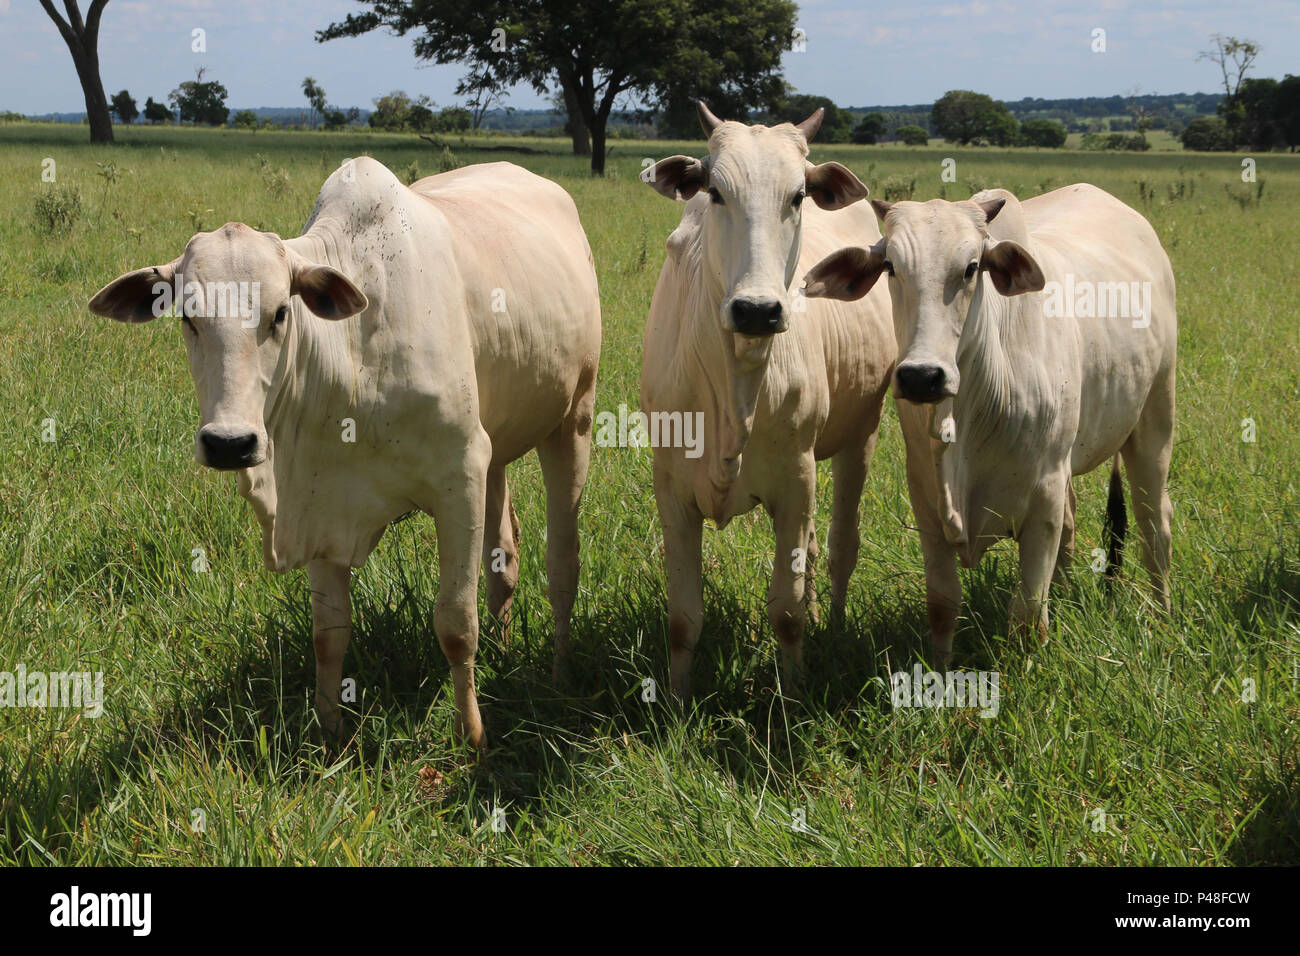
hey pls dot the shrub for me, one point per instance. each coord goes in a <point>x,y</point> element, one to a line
<point>912,135</point>
<point>58,208</point>
<point>1207,133</point>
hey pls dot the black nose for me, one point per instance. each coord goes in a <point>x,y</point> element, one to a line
<point>921,383</point>
<point>229,451</point>
<point>756,316</point>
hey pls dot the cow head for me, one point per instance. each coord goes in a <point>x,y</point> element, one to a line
<point>234,289</point>
<point>933,253</point>
<point>756,178</point>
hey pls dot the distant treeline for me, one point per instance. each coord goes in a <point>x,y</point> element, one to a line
<point>1088,114</point>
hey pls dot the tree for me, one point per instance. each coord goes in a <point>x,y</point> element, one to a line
<point>964,117</point>
<point>837,124</point>
<point>397,111</point>
<point>1042,132</point>
<point>156,112</point>
<point>1258,126</point>
<point>869,129</point>
<point>245,119</point>
<point>1287,104</point>
<point>125,107</point>
<point>912,135</point>
<point>82,38</point>
<point>315,96</point>
<point>200,102</point>
<point>453,119</point>
<point>1208,133</point>
<point>1233,57</point>
<point>596,51</point>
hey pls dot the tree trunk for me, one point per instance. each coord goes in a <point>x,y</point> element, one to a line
<point>598,148</point>
<point>577,125</point>
<point>82,38</point>
<point>97,111</point>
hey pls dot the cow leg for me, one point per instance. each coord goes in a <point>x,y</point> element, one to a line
<point>500,548</point>
<point>793,519</point>
<point>810,577</point>
<point>1040,541</point>
<point>1146,460</point>
<point>683,526</point>
<point>565,455</point>
<point>1065,553</point>
<point>458,509</point>
<point>849,475</point>
<point>942,585</point>
<point>331,629</point>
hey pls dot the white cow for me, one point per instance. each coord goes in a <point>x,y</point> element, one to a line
<point>780,382</point>
<point>396,356</point>
<point>1037,341</point>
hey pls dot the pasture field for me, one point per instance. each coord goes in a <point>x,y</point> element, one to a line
<point>1127,739</point>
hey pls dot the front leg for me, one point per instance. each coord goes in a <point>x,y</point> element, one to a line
<point>793,520</point>
<point>1040,542</point>
<point>331,629</point>
<point>457,503</point>
<point>683,526</point>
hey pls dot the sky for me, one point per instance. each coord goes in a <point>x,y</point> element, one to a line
<point>858,54</point>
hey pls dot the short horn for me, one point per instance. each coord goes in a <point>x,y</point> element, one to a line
<point>812,124</point>
<point>707,120</point>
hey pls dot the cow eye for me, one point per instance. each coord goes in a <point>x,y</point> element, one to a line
<point>798,199</point>
<point>280,315</point>
<point>970,270</point>
<point>716,196</point>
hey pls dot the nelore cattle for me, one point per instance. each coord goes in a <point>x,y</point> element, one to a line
<point>778,382</point>
<point>396,356</point>
<point>1037,341</point>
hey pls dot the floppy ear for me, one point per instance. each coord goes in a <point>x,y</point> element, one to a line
<point>326,291</point>
<point>1012,269</point>
<point>677,177</point>
<point>137,296</point>
<point>846,274</point>
<point>832,186</point>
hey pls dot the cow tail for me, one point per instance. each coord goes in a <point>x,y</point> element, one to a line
<point>1116,522</point>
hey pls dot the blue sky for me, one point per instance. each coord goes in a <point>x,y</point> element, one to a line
<point>857,53</point>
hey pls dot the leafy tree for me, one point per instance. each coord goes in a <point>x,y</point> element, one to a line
<point>453,119</point>
<point>869,129</point>
<point>1287,105</point>
<point>315,96</point>
<point>156,112</point>
<point>125,107</point>
<point>394,112</point>
<point>964,117</point>
<point>597,51</point>
<point>1207,133</point>
<point>82,37</point>
<point>1042,132</point>
<point>245,119</point>
<point>912,135</point>
<point>1259,125</point>
<point>200,102</point>
<point>837,124</point>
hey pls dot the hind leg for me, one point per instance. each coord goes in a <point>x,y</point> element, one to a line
<point>849,474</point>
<point>500,548</point>
<point>1065,553</point>
<point>1146,456</point>
<point>565,455</point>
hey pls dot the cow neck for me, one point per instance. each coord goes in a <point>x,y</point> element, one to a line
<point>729,387</point>
<point>1005,403</point>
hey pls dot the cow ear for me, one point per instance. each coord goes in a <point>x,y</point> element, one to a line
<point>137,296</point>
<point>326,291</point>
<point>677,177</point>
<point>1012,269</point>
<point>833,186</point>
<point>847,274</point>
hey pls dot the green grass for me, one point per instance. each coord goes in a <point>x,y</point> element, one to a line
<point>209,675</point>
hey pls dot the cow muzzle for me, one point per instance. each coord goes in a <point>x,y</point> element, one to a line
<point>758,316</point>
<point>227,447</point>
<point>924,383</point>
